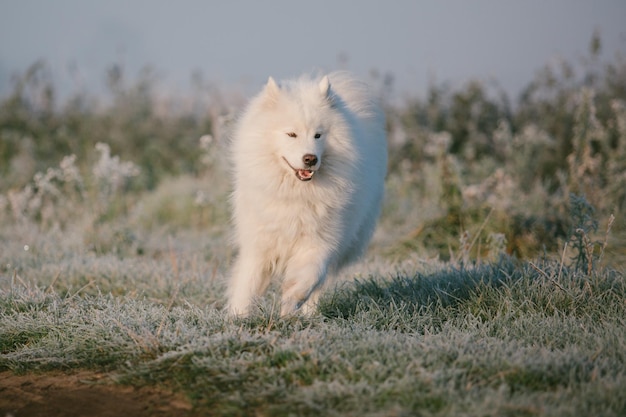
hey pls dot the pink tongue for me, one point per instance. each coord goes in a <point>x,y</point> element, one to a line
<point>305,173</point>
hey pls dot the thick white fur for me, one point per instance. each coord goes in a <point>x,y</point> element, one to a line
<point>295,230</point>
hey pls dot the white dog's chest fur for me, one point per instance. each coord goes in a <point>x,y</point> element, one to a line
<point>286,221</point>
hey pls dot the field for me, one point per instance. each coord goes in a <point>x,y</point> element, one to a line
<point>494,284</point>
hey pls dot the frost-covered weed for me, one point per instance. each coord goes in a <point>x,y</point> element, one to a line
<point>61,195</point>
<point>584,165</point>
<point>50,197</point>
<point>110,173</point>
<point>616,166</point>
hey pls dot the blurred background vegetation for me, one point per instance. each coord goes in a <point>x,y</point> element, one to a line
<point>473,173</point>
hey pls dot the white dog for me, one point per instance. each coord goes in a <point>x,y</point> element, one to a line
<point>309,160</point>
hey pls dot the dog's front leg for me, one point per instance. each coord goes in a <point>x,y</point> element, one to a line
<point>305,275</point>
<point>250,278</point>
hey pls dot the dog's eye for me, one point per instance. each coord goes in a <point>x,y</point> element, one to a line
<point>317,135</point>
<point>292,135</point>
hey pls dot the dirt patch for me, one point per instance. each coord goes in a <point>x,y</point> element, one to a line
<point>83,394</point>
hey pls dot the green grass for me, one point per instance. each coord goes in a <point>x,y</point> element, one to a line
<point>498,339</point>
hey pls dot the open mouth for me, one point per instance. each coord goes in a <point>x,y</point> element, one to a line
<point>301,174</point>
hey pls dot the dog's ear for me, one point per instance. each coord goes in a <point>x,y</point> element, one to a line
<point>271,86</point>
<point>325,87</point>
<point>271,90</point>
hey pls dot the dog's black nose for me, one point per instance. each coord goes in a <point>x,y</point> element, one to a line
<point>309,160</point>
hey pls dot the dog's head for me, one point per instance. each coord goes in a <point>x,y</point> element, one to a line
<point>299,125</point>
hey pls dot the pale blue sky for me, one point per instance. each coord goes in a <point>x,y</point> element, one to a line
<point>243,42</point>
